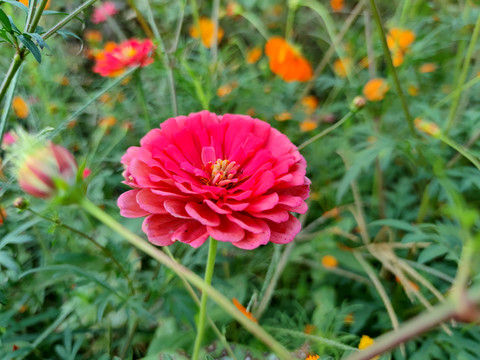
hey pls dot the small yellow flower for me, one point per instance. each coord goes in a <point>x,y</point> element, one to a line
<point>342,67</point>
<point>365,342</point>
<point>308,125</point>
<point>206,31</point>
<point>107,122</point>
<point>284,116</point>
<point>312,357</point>
<point>20,107</point>
<point>329,261</point>
<point>427,68</point>
<point>375,89</point>
<point>412,90</point>
<point>336,5</point>
<point>427,127</point>
<point>309,103</point>
<point>253,55</point>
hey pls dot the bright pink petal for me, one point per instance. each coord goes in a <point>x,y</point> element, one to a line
<point>202,213</point>
<point>285,232</point>
<point>226,231</point>
<point>127,202</point>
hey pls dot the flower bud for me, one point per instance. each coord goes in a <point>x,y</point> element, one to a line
<point>358,103</point>
<point>427,127</point>
<point>20,203</point>
<point>47,170</point>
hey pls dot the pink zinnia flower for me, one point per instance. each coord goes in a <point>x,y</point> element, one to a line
<point>103,12</point>
<point>116,58</point>
<point>232,177</point>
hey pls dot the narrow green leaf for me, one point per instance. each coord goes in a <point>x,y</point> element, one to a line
<point>17,4</point>
<point>30,45</point>
<point>5,21</point>
<point>39,40</point>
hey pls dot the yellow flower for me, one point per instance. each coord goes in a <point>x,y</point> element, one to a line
<point>20,107</point>
<point>375,89</point>
<point>206,31</point>
<point>308,125</point>
<point>312,357</point>
<point>412,90</point>
<point>329,261</point>
<point>107,122</point>
<point>253,55</point>
<point>342,67</point>
<point>224,90</point>
<point>309,103</point>
<point>399,41</point>
<point>25,2</point>
<point>427,68</point>
<point>284,116</point>
<point>365,342</point>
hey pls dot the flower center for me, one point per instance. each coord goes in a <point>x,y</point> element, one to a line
<point>222,173</point>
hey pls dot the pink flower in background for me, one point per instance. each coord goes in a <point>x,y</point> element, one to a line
<point>116,58</point>
<point>103,12</point>
<point>9,139</point>
<point>232,177</point>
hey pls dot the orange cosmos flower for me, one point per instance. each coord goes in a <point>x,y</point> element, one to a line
<point>283,116</point>
<point>312,357</point>
<point>329,261</point>
<point>286,61</point>
<point>428,68</point>
<point>224,90</point>
<point>342,67</point>
<point>349,319</point>
<point>93,36</point>
<point>206,31</point>
<point>116,58</point>
<point>107,122</point>
<point>399,41</point>
<point>20,107</point>
<point>244,311</point>
<point>310,104</point>
<point>375,89</point>
<point>336,5</point>
<point>309,328</point>
<point>308,125</point>
<point>253,55</point>
<point>365,342</point>
<point>25,2</point>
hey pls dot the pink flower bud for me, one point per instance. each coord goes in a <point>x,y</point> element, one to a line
<point>45,171</point>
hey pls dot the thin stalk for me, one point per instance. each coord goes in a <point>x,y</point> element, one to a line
<point>131,334</point>
<point>6,107</point>
<point>406,6</point>
<point>141,19</point>
<point>464,152</point>
<point>369,40</point>
<point>326,131</point>
<point>141,96</point>
<point>194,296</point>
<point>12,70</point>
<point>162,54</point>
<point>212,252</point>
<point>388,58</point>
<point>463,76</point>
<point>214,45</point>
<point>292,8</point>
<point>256,22</point>
<point>194,279</point>
<point>277,250</point>
<point>38,14</point>
<point>420,324</point>
<point>32,6</point>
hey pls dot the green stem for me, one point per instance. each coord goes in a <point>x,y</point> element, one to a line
<point>38,15</point>
<point>212,252</point>
<point>420,324</point>
<point>464,152</point>
<point>194,279</point>
<point>388,58</point>
<point>141,96</point>
<point>292,8</point>
<point>326,131</point>
<point>463,76</point>
<point>141,19</point>
<point>12,70</point>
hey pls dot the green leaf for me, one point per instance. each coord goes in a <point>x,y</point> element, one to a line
<point>17,4</point>
<point>5,21</point>
<point>30,45</point>
<point>7,261</point>
<point>396,224</point>
<point>39,40</point>
<point>53,12</point>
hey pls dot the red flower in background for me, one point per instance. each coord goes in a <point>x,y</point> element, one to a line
<point>103,12</point>
<point>232,177</point>
<point>116,58</point>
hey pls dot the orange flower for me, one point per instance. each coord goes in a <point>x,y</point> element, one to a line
<point>336,5</point>
<point>253,55</point>
<point>224,90</point>
<point>283,116</point>
<point>3,215</point>
<point>107,122</point>
<point>286,61</point>
<point>312,357</point>
<point>375,89</point>
<point>329,261</point>
<point>93,36</point>
<point>414,286</point>
<point>342,67</point>
<point>25,2</point>
<point>206,31</point>
<point>244,311</point>
<point>20,107</point>
<point>427,68</point>
<point>399,41</point>
<point>309,329</point>
<point>309,103</point>
<point>349,319</point>
<point>365,342</point>
<point>308,125</point>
